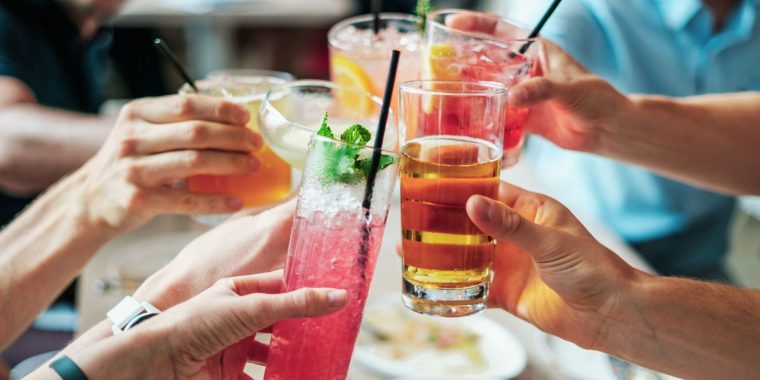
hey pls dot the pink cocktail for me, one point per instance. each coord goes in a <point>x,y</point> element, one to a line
<point>492,55</point>
<point>334,244</point>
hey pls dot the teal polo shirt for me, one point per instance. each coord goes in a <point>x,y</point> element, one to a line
<point>664,47</point>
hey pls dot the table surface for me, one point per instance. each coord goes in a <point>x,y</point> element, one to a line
<point>387,278</point>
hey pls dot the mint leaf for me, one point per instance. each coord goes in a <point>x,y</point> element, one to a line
<point>356,134</point>
<point>341,163</point>
<point>325,130</point>
<point>423,8</point>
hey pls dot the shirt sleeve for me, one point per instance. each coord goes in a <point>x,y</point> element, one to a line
<point>575,27</point>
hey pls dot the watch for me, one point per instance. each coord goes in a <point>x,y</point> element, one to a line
<point>128,313</point>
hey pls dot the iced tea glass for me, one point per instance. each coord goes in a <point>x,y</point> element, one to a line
<point>456,153</point>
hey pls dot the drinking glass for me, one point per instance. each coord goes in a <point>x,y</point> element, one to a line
<point>359,57</point>
<point>453,54</point>
<point>270,184</point>
<point>334,243</point>
<point>291,114</point>
<point>455,153</point>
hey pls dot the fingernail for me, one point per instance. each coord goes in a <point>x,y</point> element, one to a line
<point>256,140</point>
<point>241,115</point>
<point>337,298</point>
<point>234,203</point>
<point>254,163</point>
<point>517,96</point>
<point>483,209</point>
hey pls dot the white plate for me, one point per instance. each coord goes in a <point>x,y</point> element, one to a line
<point>503,353</point>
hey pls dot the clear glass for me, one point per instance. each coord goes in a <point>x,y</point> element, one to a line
<point>291,114</point>
<point>359,58</point>
<point>250,75</point>
<point>455,153</point>
<point>453,54</point>
<point>334,243</point>
<point>269,185</point>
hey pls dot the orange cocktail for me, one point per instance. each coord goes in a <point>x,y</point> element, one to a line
<point>272,182</point>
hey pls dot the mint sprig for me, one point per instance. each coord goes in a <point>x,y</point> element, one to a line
<point>342,163</point>
<point>423,8</point>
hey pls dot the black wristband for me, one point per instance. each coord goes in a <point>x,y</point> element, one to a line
<point>67,369</point>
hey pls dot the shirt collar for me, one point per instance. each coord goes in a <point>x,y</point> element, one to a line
<point>678,13</point>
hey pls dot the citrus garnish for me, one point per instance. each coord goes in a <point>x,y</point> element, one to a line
<point>440,62</point>
<point>349,74</point>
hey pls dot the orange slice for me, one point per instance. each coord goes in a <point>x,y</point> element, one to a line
<point>349,74</point>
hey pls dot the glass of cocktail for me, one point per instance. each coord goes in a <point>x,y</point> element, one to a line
<point>452,54</point>
<point>334,243</point>
<point>359,58</point>
<point>290,115</point>
<point>456,153</point>
<point>249,75</point>
<point>272,182</point>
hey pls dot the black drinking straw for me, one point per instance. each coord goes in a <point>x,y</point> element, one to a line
<point>376,5</point>
<point>375,163</point>
<point>168,53</point>
<point>534,33</point>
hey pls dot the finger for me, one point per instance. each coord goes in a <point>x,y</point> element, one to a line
<point>270,282</point>
<point>540,209</point>
<point>504,224</point>
<point>171,109</point>
<point>173,201</point>
<point>262,310</point>
<point>196,135</point>
<point>258,352</point>
<point>536,90</point>
<point>155,169</point>
<point>474,22</point>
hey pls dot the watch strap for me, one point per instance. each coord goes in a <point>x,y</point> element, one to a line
<point>67,369</point>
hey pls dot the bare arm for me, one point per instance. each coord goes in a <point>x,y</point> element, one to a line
<point>154,141</point>
<point>38,144</point>
<point>551,272</point>
<point>711,141</point>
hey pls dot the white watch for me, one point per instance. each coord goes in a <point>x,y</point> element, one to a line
<point>128,313</point>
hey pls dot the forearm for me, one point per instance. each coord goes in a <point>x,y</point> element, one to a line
<point>39,145</point>
<point>137,354</point>
<point>688,328</point>
<point>42,251</point>
<point>710,141</point>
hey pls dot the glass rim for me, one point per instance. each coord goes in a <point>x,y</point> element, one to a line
<point>288,86</point>
<point>212,83</point>
<point>384,16</point>
<point>244,74</point>
<point>483,36</point>
<point>362,147</point>
<point>489,88</point>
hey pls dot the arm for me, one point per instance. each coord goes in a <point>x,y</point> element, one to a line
<point>154,141</point>
<point>551,272</point>
<point>38,144</point>
<point>709,141</point>
<point>209,336</point>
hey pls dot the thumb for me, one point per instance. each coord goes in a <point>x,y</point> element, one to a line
<point>505,224</point>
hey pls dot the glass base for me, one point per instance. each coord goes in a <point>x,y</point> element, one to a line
<point>458,302</point>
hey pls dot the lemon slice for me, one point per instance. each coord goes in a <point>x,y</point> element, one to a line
<point>348,74</point>
<point>440,62</point>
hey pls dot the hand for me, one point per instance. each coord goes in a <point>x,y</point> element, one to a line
<point>568,105</point>
<point>548,270</point>
<point>245,245</point>
<point>157,141</point>
<point>210,336</point>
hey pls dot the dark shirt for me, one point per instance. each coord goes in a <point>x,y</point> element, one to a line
<point>41,46</point>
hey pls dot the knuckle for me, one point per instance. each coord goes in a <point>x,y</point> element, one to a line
<point>132,172</point>
<point>129,111</point>
<point>128,145</point>
<point>183,105</point>
<point>511,222</point>
<point>136,198</point>
<point>225,283</point>
<point>189,202</point>
<point>194,158</point>
<point>199,132</point>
